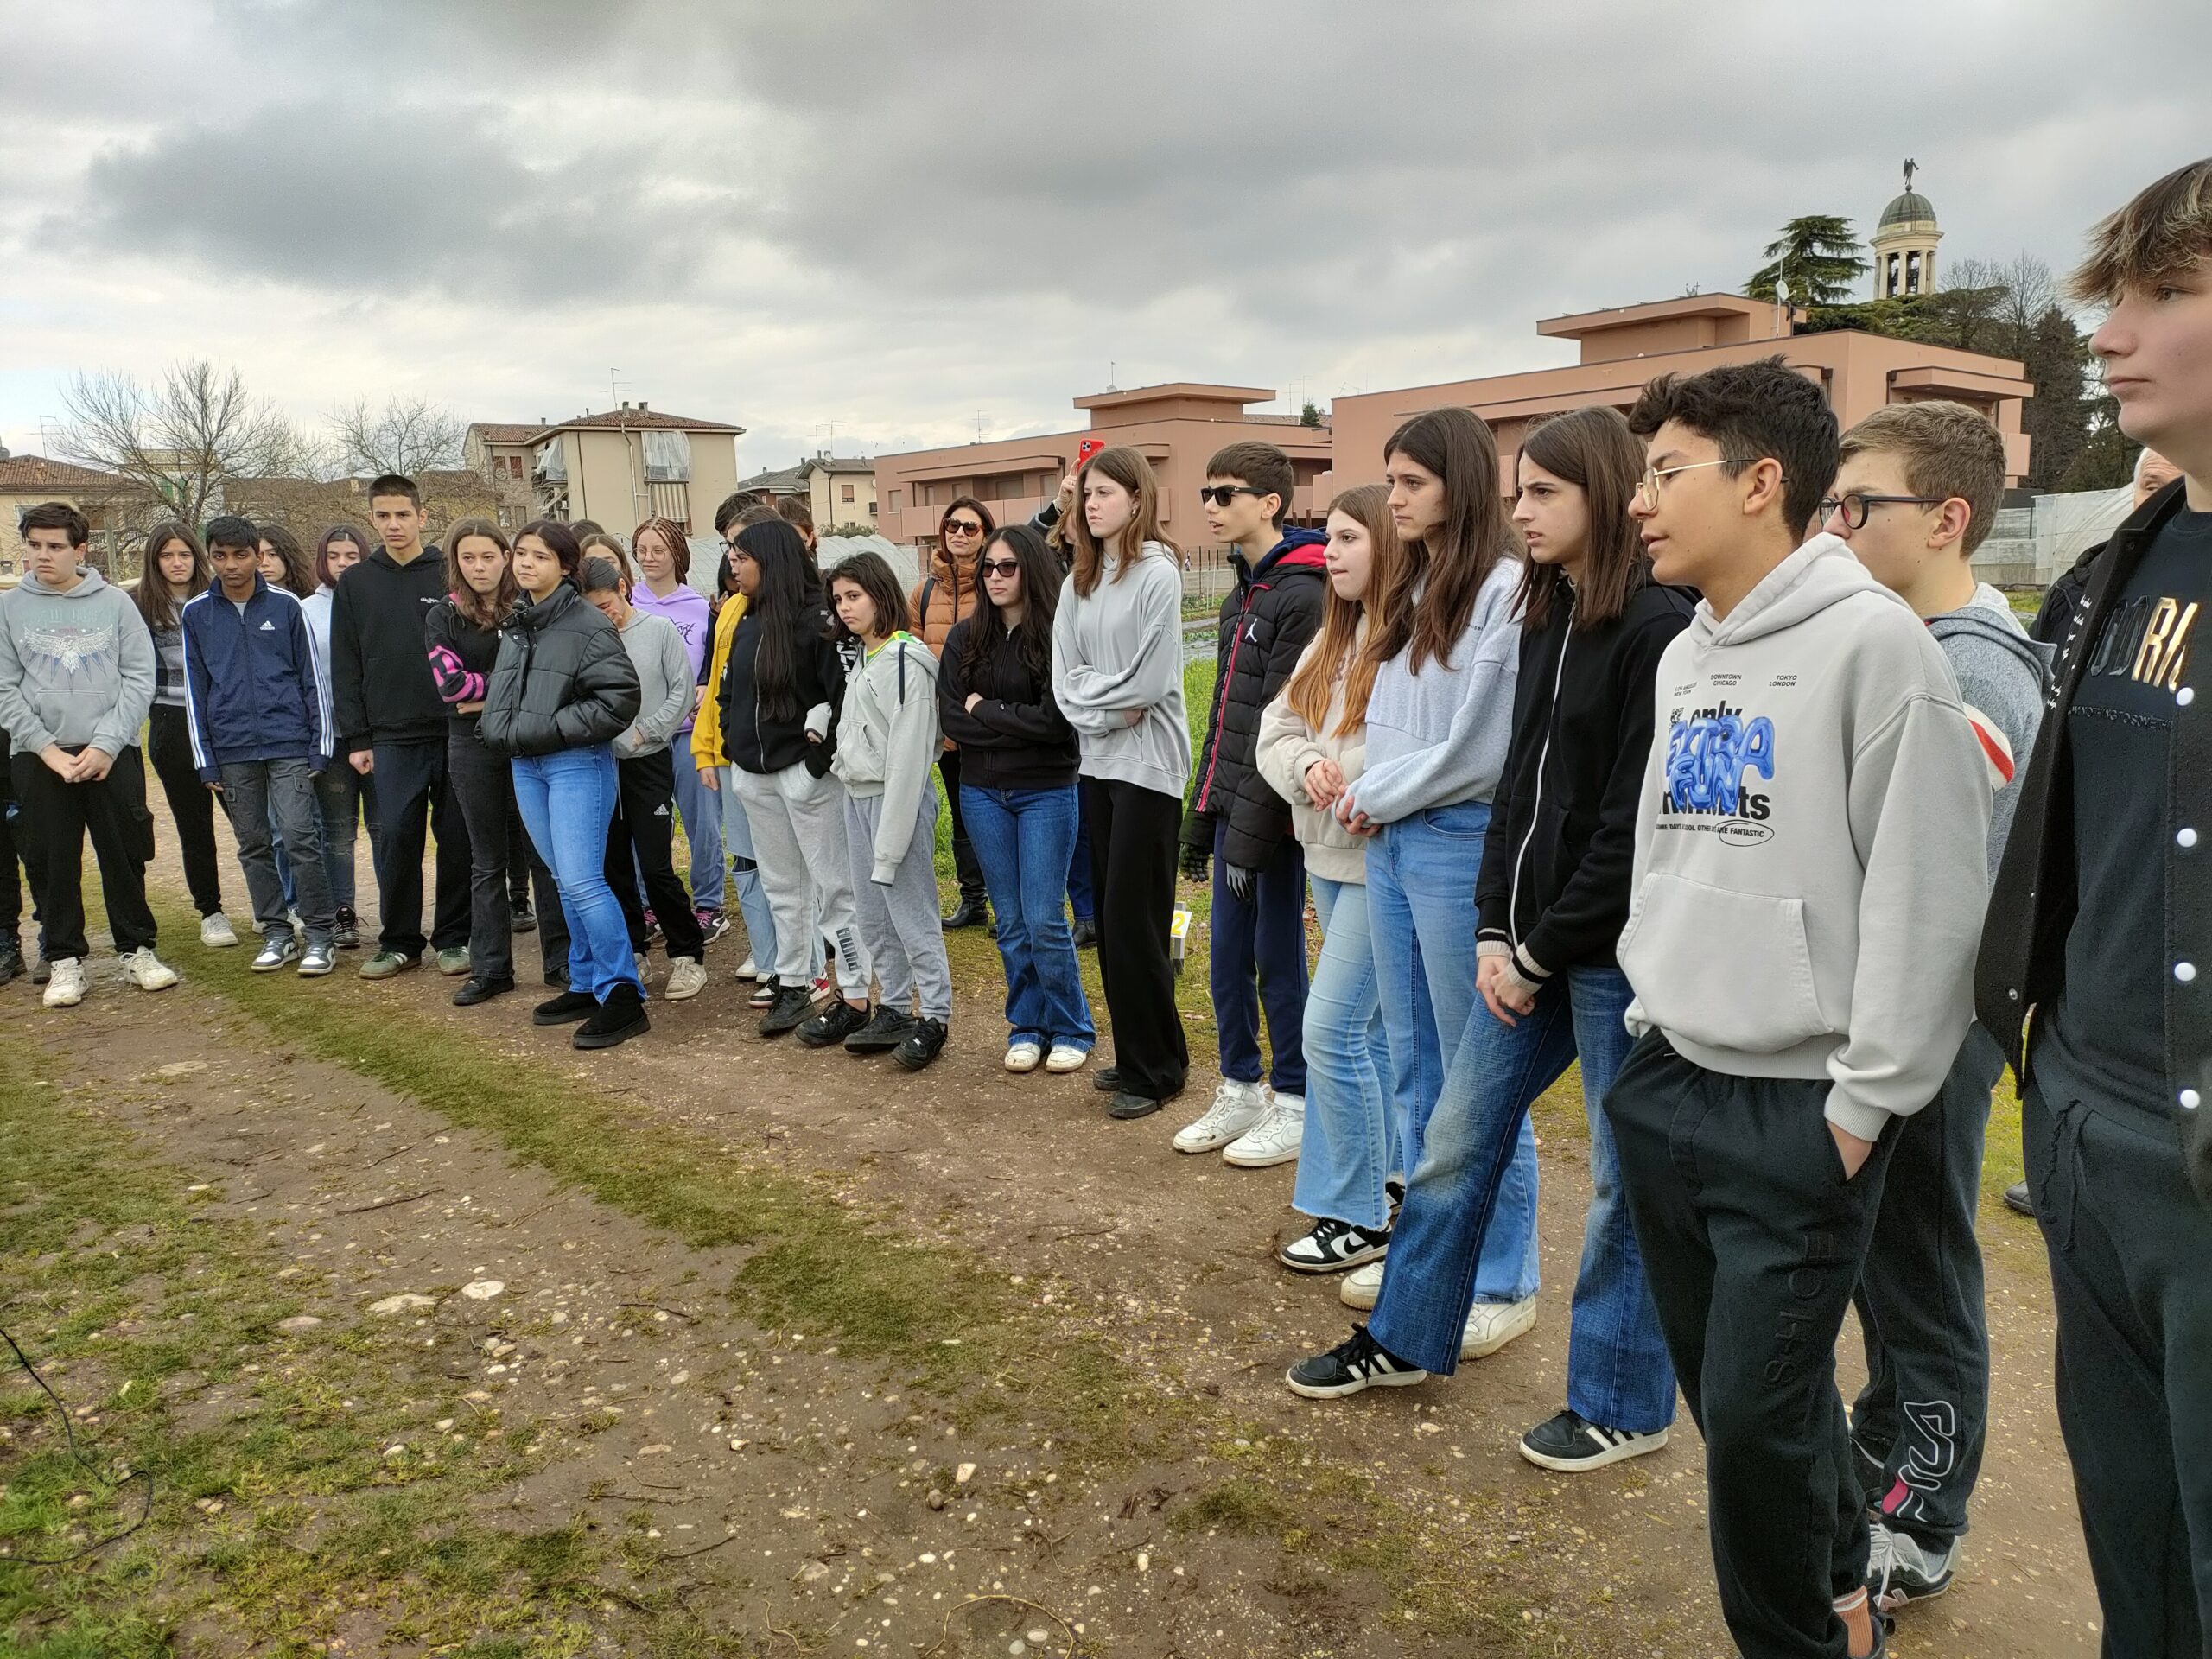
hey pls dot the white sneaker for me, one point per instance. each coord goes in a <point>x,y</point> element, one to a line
<point>686,978</point>
<point>1237,1107</point>
<point>1066,1057</point>
<point>1490,1325</point>
<point>1363,1287</point>
<point>749,969</point>
<point>215,931</point>
<point>148,971</point>
<point>1023,1056</point>
<point>1275,1139</point>
<point>65,987</point>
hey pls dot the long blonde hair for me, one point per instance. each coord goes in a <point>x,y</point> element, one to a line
<point>1129,468</point>
<point>1335,653</point>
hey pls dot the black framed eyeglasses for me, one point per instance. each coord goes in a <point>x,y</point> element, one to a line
<point>1855,506</point>
<point>1220,495</point>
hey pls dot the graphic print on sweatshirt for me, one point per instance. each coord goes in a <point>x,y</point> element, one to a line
<point>1716,753</point>
<point>69,650</point>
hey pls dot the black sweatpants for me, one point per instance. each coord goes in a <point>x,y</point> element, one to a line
<point>414,794</point>
<point>484,786</point>
<point>15,848</point>
<point>1752,1241</point>
<point>1920,1422</point>
<point>641,839</point>
<point>965,865</point>
<point>112,813</point>
<point>1133,832</point>
<point>2130,1246</point>
<point>191,804</point>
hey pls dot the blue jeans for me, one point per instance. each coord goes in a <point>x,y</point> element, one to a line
<point>745,875</point>
<point>1022,837</point>
<point>700,811</point>
<point>1079,898</point>
<point>1258,956</point>
<point>566,800</point>
<point>347,799</point>
<point>1420,906</point>
<point>1349,1150</point>
<point>1618,1374</point>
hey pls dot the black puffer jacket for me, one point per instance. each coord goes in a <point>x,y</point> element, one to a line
<point>561,679</point>
<point>1266,623</point>
<point>759,743</point>
<point>1556,862</point>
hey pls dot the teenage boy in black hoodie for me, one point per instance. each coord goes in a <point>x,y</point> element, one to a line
<point>2100,938</point>
<point>391,722</point>
<point>1235,818</point>
<point>1809,880</point>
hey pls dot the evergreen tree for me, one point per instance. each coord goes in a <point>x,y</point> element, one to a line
<point>1817,255</point>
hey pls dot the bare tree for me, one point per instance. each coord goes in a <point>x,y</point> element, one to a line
<point>408,435</point>
<point>186,438</point>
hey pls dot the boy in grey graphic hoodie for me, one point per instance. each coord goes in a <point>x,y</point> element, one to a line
<point>1914,496</point>
<point>76,679</point>
<point>1807,898</point>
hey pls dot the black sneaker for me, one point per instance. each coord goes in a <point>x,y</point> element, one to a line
<point>2017,1199</point>
<point>792,1004</point>
<point>924,1044</point>
<point>1333,1246</point>
<point>42,969</point>
<point>969,912</point>
<point>1358,1362</point>
<point>11,962</point>
<point>838,1020</point>
<point>1086,935</point>
<point>523,918</point>
<point>346,934</point>
<point>1901,1569</point>
<point>1570,1442</point>
<point>618,1018</point>
<point>558,977</point>
<point>887,1028</point>
<point>1107,1080</point>
<point>564,1009</point>
<point>1126,1106</point>
<point>482,990</point>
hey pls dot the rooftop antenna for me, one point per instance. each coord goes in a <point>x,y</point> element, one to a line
<point>978,426</point>
<point>824,429</point>
<point>1111,387</point>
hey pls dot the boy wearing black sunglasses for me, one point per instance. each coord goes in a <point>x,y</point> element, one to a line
<point>1237,822</point>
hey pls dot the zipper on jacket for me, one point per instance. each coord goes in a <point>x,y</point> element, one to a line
<point>1544,753</point>
<point>1221,693</point>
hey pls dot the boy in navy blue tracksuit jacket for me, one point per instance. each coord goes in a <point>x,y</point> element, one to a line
<point>260,719</point>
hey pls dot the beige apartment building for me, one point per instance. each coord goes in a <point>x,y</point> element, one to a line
<point>1620,349</point>
<point>840,491</point>
<point>619,467</point>
<point>1176,426</point>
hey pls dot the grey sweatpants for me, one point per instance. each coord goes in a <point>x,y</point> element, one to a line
<point>797,821</point>
<point>900,924</point>
<point>257,791</point>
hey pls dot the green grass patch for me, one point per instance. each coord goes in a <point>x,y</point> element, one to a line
<point>277,1510</point>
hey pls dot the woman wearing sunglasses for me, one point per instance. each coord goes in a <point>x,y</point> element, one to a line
<point>939,601</point>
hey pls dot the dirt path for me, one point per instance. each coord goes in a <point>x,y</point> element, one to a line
<point>639,1379</point>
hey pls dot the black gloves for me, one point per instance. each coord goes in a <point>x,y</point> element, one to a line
<point>1194,861</point>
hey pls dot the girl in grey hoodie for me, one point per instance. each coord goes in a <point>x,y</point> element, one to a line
<point>1117,675</point>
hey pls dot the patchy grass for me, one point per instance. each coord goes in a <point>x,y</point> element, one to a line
<point>277,1508</point>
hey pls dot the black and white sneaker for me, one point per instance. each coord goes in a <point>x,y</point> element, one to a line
<point>1358,1362</point>
<point>1570,1442</point>
<point>838,1020</point>
<point>1902,1569</point>
<point>1333,1246</point>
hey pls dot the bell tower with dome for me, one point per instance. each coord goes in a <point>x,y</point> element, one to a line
<point>1904,244</point>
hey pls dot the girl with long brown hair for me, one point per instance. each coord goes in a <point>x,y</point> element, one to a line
<point>1312,744</point>
<point>175,570</point>
<point>663,587</point>
<point>462,634</point>
<point>1445,643</point>
<point>1117,675</point>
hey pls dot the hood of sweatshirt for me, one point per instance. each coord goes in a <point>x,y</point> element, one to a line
<point>1987,617</point>
<point>93,582</point>
<point>1821,573</point>
<point>1299,549</point>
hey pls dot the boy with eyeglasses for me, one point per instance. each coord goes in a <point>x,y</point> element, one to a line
<point>1237,821</point>
<point>1914,496</point>
<point>1807,893</point>
<point>2096,973</point>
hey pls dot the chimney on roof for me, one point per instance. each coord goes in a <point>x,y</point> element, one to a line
<point>641,405</point>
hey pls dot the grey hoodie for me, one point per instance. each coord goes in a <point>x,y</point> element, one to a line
<point>665,687</point>
<point>1122,649</point>
<point>76,669</point>
<point>888,739</point>
<point>1811,857</point>
<point>2002,676</point>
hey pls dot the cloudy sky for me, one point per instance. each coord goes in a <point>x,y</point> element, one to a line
<point>904,218</point>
